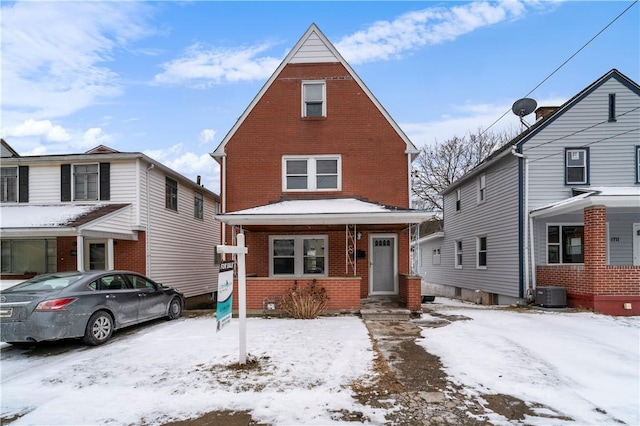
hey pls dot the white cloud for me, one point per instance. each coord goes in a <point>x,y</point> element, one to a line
<point>204,67</point>
<point>389,39</point>
<point>40,128</point>
<point>96,136</point>
<point>54,57</point>
<point>189,164</point>
<point>206,136</point>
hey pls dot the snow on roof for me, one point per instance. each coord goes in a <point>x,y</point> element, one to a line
<point>614,196</point>
<point>42,216</point>
<point>325,206</point>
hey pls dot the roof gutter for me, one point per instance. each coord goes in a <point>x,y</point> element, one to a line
<point>382,218</point>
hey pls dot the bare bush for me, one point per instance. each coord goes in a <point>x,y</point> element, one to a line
<point>305,302</point>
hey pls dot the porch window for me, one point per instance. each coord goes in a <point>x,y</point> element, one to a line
<point>28,256</point>
<point>576,166</point>
<point>458,254</point>
<point>313,99</point>
<point>85,182</point>
<point>313,173</point>
<point>9,184</point>
<point>300,255</point>
<point>565,244</point>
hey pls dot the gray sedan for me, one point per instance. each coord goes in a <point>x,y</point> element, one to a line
<point>90,305</point>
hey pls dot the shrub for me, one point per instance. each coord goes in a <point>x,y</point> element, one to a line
<point>305,302</point>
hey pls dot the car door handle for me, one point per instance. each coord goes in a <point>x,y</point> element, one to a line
<point>142,295</point>
<point>110,296</point>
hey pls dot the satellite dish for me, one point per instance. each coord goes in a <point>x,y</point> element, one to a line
<point>524,106</point>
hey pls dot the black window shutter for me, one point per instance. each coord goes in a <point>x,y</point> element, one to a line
<point>105,181</point>
<point>65,182</point>
<point>23,184</point>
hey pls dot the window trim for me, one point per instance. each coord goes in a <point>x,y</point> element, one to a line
<point>16,186</point>
<point>457,254</point>
<point>74,195</point>
<point>298,255</point>
<point>324,98</point>
<point>170,197</point>
<point>198,205</point>
<point>561,225</point>
<point>458,199</point>
<point>482,188</point>
<point>586,165</point>
<point>637,163</point>
<point>478,251</point>
<point>311,172</point>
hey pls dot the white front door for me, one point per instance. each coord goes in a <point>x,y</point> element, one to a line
<point>636,244</point>
<point>383,264</point>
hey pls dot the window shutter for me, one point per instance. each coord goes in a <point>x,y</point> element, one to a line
<point>65,182</point>
<point>23,184</point>
<point>105,181</point>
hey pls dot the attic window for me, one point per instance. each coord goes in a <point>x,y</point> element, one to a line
<point>313,99</point>
<point>612,107</point>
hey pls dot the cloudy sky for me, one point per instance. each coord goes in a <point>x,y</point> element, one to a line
<point>170,78</point>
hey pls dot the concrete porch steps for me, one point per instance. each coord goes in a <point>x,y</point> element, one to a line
<point>383,308</point>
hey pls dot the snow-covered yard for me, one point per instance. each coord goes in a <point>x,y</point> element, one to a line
<point>580,364</point>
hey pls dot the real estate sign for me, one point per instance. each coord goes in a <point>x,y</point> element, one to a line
<point>225,294</point>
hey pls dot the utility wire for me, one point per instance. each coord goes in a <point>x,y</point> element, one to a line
<point>566,61</point>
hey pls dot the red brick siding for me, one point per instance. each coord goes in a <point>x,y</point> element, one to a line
<point>410,292</point>
<point>374,163</point>
<point>343,293</point>
<point>131,255</point>
<point>596,285</point>
<point>64,247</point>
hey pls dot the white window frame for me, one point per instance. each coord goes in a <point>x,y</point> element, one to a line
<point>298,250</point>
<point>479,250</point>
<point>435,256</point>
<point>457,254</point>
<point>559,243</point>
<point>585,165</point>
<point>323,100</point>
<point>311,172</point>
<point>458,199</point>
<point>86,184</point>
<point>482,188</point>
<point>5,187</point>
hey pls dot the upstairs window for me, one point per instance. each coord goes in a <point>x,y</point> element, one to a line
<point>9,184</point>
<point>315,173</point>
<point>458,199</point>
<point>171,194</point>
<point>85,182</point>
<point>576,166</point>
<point>198,205</point>
<point>313,99</point>
<point>482,186</point>
<point>565,244</point>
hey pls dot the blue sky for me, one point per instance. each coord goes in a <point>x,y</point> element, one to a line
<point>170,78</point>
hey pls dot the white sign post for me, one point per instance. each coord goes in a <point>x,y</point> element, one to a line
<point>240,250</point>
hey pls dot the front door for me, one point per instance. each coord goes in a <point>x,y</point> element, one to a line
<point>636,244</point>
<point>97,255</point>
<point>383,276</point>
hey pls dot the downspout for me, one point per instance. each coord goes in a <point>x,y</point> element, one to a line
<point>147,235</point>
<point>223,196</point>
<point>526,217</point>
<point>531,252</point>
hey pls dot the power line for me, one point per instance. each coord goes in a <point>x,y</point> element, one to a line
<point>566,61</point>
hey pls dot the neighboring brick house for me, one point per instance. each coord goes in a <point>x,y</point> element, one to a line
<point>105,209</point>
<point>559,205</point>
<point>315,173</point>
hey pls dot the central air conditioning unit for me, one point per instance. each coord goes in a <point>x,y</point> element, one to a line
<point>551,296</point>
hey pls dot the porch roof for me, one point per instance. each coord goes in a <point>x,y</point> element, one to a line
<point>57,220</point>
<point>623,197</point>
<point>335,211</point>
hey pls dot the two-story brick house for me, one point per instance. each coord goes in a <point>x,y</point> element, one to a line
<point>559,205</point>
<point>315,173</point>
<point>105,209</point>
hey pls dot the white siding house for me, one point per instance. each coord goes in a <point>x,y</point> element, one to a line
<point>105,209</point>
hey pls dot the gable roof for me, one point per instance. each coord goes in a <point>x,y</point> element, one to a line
<point>313,47</point>
<point>7,151</point>
<point>525,136</point>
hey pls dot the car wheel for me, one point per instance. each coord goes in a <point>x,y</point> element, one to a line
<point>99,328</point>
<point>175,308</point>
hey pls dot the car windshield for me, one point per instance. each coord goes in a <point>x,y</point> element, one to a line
<point>45,283</point>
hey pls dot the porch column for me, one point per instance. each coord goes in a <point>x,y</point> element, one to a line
<point>110,260</point>
<point>80,252</point>
<point>595,248</point>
